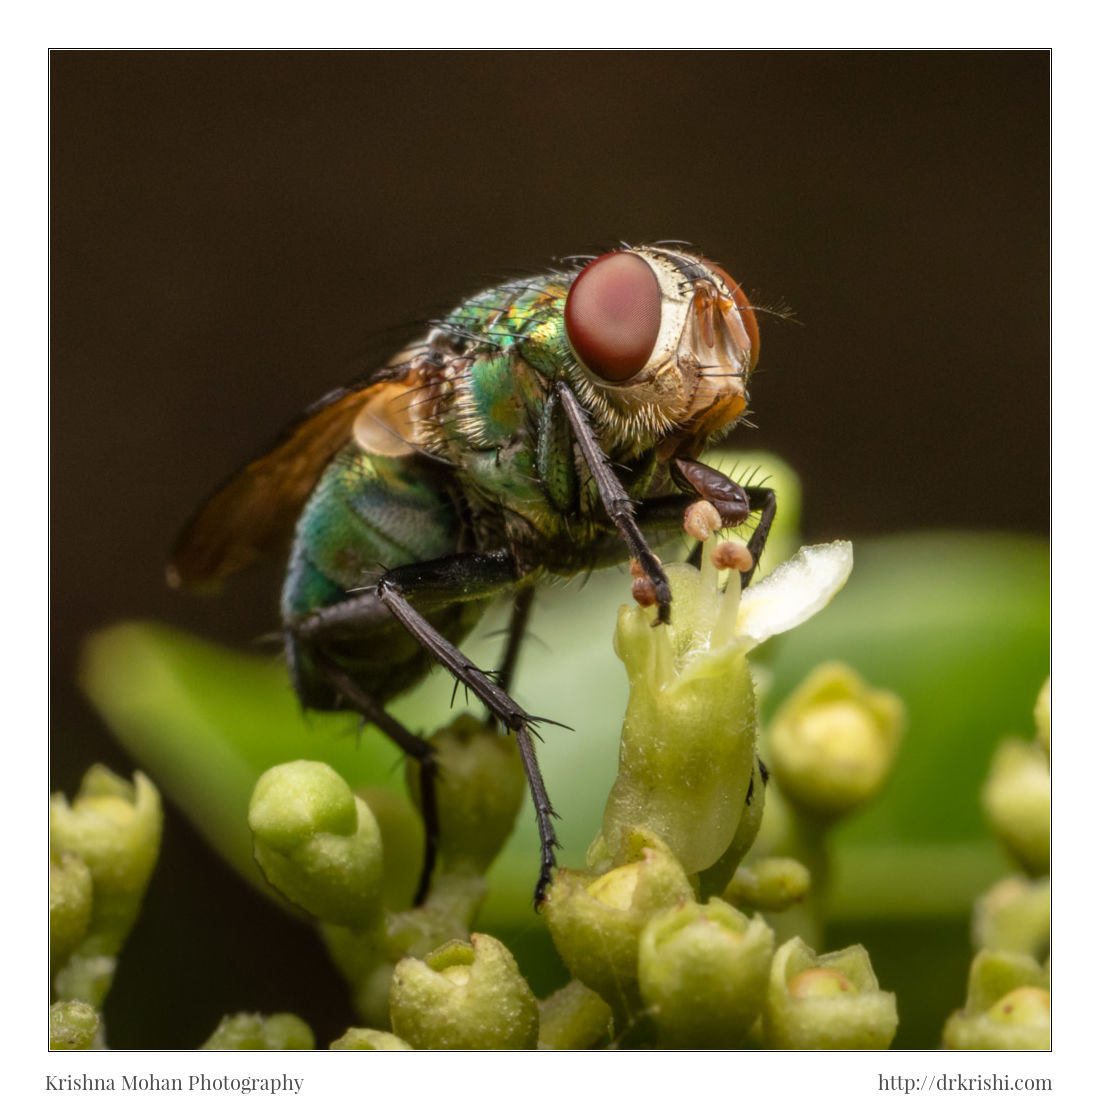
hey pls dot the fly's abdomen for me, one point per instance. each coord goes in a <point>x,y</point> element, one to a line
<point>368,514</point>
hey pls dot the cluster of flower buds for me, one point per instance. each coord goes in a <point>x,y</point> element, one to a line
<point>1008,996</point>
<point>320,845</point>
<point>684,811</point>
<point>103,846</point>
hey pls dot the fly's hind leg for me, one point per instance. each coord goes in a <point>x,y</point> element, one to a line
<point>415,747</point>
<point>403,595</point>
<point>517,627</point>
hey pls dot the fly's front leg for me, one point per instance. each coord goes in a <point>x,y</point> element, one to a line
<point>735,503</point>
<point>618,506</point>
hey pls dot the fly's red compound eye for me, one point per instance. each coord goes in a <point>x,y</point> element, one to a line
<point>613,315</point>
<point>744,312</point>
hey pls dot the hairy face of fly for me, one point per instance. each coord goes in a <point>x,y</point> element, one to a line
<point>664,343</point>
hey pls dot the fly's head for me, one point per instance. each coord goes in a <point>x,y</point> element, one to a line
<point>663,345</point>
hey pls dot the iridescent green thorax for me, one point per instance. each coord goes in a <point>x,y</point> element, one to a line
<point>493,419</point>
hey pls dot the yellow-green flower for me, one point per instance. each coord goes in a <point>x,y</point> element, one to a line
<point>1014,916</point>
<point>703,971</point>
<point>596,920</point>
<point>357,1039</point>
<point>1016,800</point>
<point>464,995</point>
<point>688,743</point>
<point>833,742</point>
<point>254,1031</point>
<point>1007,1005</point>
<point>828,1001</point>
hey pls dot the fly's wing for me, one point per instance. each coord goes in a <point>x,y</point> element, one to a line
<point>255,511</point>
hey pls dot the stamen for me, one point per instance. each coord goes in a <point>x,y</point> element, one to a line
<point>701,519</point>
<point>708,569</point>
<point>729,556</point>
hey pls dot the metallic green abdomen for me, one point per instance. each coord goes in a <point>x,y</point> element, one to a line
<point>369,514</point>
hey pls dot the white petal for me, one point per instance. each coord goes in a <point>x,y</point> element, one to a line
<point>793,592</point>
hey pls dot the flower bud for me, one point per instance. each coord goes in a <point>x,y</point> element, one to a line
<point>1016,800</point>
<point>114,827</point>
<point>772,885</point>
<point>1042,718</point>
<point>464,995</point>
<point>70,906</point>
<point>828,1001</point>
<point>834,741</point>
<point>688,742</point>
<point>703,971</point>
<point>374,1039</point>
<point>595,921</point>
<point>689,733</point>
<point>73,1025</point>
<point>254,1031</point>
<point>317,843</point>
<point>1007,1005</point>
<point>1014,916</point>
<point>574,1017</point>
<point>479,789</point>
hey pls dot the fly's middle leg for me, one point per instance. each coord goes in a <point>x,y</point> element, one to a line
<point>403,595</point>
<point>500,705</point>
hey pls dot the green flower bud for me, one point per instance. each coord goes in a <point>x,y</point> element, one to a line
<point>73,1025</point>
<point>772,885</point>
<point>114,827</point>
<point>1042,718</point>
<point>464,995</point>
<point>1016,800</point>
<point>595,921</point>
<point>703,971</point>
<point>70,906</point>
<point>1007,1005</point>
<point>687,751</point>
<point>574,1017</point>
<point>360,1039</point>
<point>1014,916</point>
<point>689,733</point>
<point>479,789</point>
<point>828,1001</point>
<point>367,958</point>
<point>834,741</point>
<point>317,843</point>
<point>254,1031</point>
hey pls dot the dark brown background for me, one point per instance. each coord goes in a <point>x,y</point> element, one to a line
<point>233,234</point>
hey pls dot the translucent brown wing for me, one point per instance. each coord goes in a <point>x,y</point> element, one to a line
<point>255,511</point>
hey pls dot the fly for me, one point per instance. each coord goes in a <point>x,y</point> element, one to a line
<point>544,427</point>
